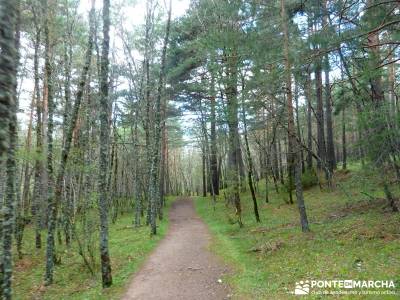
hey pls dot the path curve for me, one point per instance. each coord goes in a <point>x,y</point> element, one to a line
<point>181,267</point>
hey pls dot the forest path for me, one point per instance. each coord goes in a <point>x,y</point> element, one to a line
<point>181,267</point>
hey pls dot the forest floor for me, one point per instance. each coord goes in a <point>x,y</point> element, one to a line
<point>354,235</point>
<point>181,267</point>
<point>129,248</point>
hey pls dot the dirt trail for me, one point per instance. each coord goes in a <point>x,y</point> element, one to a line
<point>181,267</point>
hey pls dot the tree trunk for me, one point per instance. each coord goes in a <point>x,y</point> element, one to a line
<point>234,143</point>
<point>138,196</point>
<point>213,154</point>
<point>294,147</point>
<point>330,148</point>
<point>320,116</point>
<point>48,100</point>
<point>22,208</point>
<point>37,190</point>
<point>9,44</point>
<point>155,157</point>
<point>296,99</point>
<point>309,122</point>
<point>104,146</point>
<point>344,147</point>
<point>163,162</point>
<point>27,172</point>
<point>203,171</point>
<point>250,162</point>
<point>281,173</point>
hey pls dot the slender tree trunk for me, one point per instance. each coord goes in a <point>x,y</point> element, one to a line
<point>296,99</point>
<point>138,196</point>
<point>294,147</point>
<point>67,84</point>
<point>290,166</point>
<point>27,172</point>
<point>393,102</point>
<point>65,218</point>
<point>265,161</point>
<point>375,79</point>
<point>154,171</point>
<point>148,104</point>
<point>163,162</point>
<point>167,166</point>
<point>54,202</point>
<point>275,160</point>
<point>250,164</point>
<point>281,173</point>
<point>48,98</point>
<point>309,122</point>
<point>344,149</point>
<point>330,147</point>
<point>9,44</point>
<point>203,170</point>
<point>213,156</point>
<point>104,146</point>
<point>320,116</point>
<point>234,143</point>
<point>22,208</point>
<point>37,190</point>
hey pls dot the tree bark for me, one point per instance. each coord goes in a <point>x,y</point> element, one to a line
<point>213,154</point>
<point>104,146</point>
<point>9,44</point>
<point>48,100</point>
<point>250,164</point>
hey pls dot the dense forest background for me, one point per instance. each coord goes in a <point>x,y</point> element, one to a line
<point>102,118</point>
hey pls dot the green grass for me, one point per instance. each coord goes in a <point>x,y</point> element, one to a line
<point>129,248</point>
<point>346,226</point>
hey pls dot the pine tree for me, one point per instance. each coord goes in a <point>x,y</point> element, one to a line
<point>294,144</point>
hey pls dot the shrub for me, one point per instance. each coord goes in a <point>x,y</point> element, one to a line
<point>309,179</point>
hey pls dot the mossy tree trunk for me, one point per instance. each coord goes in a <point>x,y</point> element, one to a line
<point>9,44</point>
<point>48,101</point>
